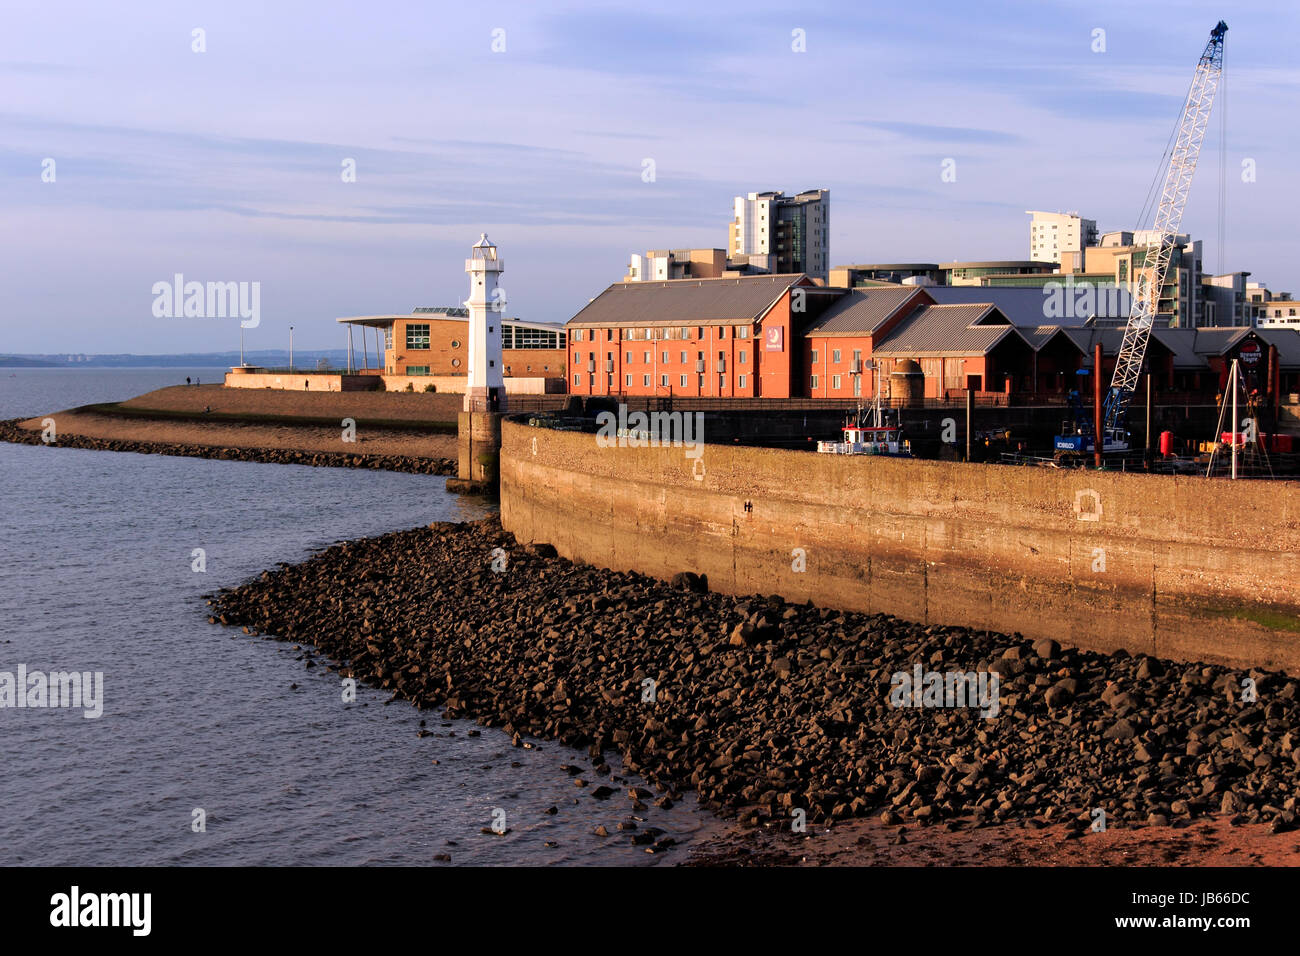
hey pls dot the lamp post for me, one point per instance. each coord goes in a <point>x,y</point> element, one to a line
<point>291,349</point>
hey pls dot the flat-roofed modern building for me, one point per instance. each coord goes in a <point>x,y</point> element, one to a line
<point>434,343</point>
<point>1279,312</point>
<point>876,273</point>
<point>971,273</point>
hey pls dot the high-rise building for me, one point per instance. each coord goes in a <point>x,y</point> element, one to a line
<point>793,230</point>
<point>1061,237</point>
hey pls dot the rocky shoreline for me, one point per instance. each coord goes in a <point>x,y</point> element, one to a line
<point>11,432</point>
<point>767,708</point>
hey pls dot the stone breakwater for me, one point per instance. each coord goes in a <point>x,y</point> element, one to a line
<point>765,707</point>
<point>10,432</point>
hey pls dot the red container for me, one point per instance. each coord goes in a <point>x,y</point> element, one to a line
<point>1166,443</point>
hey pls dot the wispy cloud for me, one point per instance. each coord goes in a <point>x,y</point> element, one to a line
<point>943,134</point>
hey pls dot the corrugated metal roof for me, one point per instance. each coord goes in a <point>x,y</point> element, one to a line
<point>1038,335</point>
<point>1287,342</point>
<point>862,311</point>
<point>943,330</point>
<point>1183,343</point>
<point>735,301</point>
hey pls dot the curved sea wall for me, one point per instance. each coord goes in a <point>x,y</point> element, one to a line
<point>1178,567</point>
<point>10,431</point>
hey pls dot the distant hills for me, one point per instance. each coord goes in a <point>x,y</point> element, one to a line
<point>275,358</point>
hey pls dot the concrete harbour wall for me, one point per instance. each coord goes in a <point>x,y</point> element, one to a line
<point>1174,566</point>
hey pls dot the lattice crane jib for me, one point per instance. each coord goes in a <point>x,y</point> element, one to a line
<point>1151,276</point>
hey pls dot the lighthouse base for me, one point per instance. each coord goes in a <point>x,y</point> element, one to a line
<point>485,398</point>
<point>478,447</point>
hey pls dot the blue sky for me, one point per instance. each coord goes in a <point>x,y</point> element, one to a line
<point>225,165</point>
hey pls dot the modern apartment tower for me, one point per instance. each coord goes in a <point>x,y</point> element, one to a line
<point>1061,237</point>
<point>783,234</point>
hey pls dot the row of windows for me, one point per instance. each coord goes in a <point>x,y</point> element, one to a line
<point>641,335</point>
<point>835,356</point>
<point>516,337</point>
<point>742,381</point>
<point>837,381</point>
<point>742,357</point>
<point>666,357</point>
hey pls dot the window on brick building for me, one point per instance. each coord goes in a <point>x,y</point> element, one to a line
<point>577,380</point>
<point>645,381</point>
<point>628,379</point>
<point>813,382</point>
<point>742,357</point>
<point>663,380</point>
<point>835,382</point>
<point>835,356</point>
<point>417,335</point>
<point>814,356</point>
<point>683,383</point>
<point>741,380</point>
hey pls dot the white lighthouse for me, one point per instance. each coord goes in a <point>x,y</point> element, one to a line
<point>485,390</point>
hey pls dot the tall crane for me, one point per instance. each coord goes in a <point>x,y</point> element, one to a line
<point>1150,280</point>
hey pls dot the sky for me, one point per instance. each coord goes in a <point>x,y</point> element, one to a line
<point>576,134</point>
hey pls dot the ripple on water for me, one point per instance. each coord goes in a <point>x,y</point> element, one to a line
<point>95,552</point>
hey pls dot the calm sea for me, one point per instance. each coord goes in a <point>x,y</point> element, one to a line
<point>96,554</point>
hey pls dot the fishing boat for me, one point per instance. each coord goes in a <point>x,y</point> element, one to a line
<point>869,433</point>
